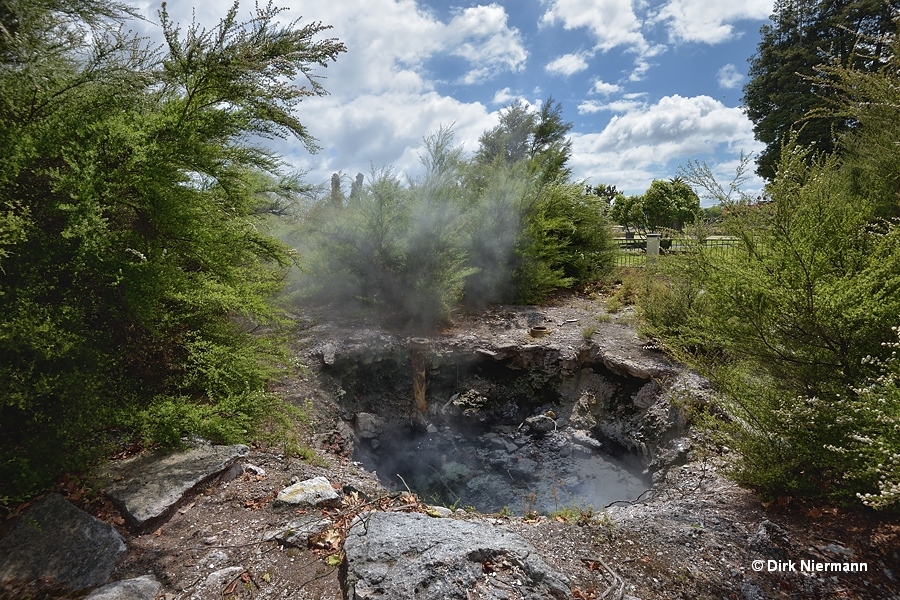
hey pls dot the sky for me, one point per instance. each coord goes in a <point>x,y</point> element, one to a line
<point>648,85</point>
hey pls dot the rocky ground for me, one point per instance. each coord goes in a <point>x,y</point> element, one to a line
<point>696,536</point>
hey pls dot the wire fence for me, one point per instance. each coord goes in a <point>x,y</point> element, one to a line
<point>632,252</point>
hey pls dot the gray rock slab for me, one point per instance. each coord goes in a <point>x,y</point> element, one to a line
<point>298,531</point>
<point>401,555</point>
<point>60,544</point>
<point>148,487</point>
<point>139,588</point>
<point>311,492</point>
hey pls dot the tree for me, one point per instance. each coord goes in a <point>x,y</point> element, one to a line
<point>131,193</point>
<point>538,139</point>
<point>786,83</point>
<point>797,326</point>
<point>397,251</point>
<point>628,211</point>
<point>670,204</point>
<point>666,204</point>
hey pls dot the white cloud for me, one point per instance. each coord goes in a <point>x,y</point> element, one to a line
<point>382,102</point>
<point>729,77</point>
<point>617,106</point>
<point>504,97</point>
<point>481,35</point>
<point>601,87</point>
<point>383,130</point>
<point>709,21</point>
<point>613,22</point>
<point>567,64</point>
<point>640,140</point>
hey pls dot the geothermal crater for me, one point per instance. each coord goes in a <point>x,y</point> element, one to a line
<point>510,421</point>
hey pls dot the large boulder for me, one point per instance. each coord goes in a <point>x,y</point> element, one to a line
<point>401,555</point>
<point>56,544</point>
<point>147,488</point>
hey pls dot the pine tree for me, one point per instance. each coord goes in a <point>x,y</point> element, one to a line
<point>786,83</point>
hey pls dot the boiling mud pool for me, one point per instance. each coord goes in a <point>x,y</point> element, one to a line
<point>504,469</point>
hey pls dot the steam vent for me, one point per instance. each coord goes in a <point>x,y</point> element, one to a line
<point>517,411</point>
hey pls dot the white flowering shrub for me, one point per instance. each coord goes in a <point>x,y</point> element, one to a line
<point>875,445</point>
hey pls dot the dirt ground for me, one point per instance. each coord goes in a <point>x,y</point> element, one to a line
<point>696,536</point>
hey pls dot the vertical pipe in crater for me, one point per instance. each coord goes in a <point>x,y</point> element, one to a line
<point>419,350</point>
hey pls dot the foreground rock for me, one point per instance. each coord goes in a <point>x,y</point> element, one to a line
<point>148,487</point>
<point>399,555</point>
<point>139,588</point>
<point>312,492</point>
<point>57,544</point>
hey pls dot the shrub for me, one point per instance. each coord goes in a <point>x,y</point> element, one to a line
<point>133,268</point>
<point>790,327</point>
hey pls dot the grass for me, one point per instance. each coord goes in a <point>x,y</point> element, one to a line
<point>573,515</point>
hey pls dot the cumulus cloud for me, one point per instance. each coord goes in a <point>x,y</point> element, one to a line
<point>504,97</point>
<point>709,21</point>
<point>729,77</point>
<point>612,22</point>
<point>567,64</point>
<point>382,101</point>
<point>617,106</point>
<point>481,35</point>
<point>384,130</point>
<point>601,87</point>
<point>641,140</point>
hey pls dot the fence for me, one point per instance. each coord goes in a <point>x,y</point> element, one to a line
<point>633,252</point>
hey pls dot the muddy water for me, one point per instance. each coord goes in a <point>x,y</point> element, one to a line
<point>505,468</point>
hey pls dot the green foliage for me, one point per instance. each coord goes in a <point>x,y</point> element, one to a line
<point>481,233</point>
<point>133,268</point>
<point>398,250</point>
<point>566,243</point>
<point>666,204</point>
<point>787,89</point>
<point>786,327</point>
<point>537,140</point>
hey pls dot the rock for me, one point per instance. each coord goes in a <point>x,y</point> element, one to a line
<point>298,531</point>
<point>439,512</point>
<point>540,423</point>
<point>400,555</point>
<point>148,487</point>
<point>523,469</point>
<point>368,426</point>
<point>145,587</point>
<point>312,492</point>
<point>771,541</point>
<point>644,366</point>
<point>258,471</point>
<point>836,550</point>
<point>647,395</point>
<point>583,438</point>
<point>328,352</point>
<point>57,542</point>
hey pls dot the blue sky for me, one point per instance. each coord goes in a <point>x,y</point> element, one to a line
<point>648,85</point>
